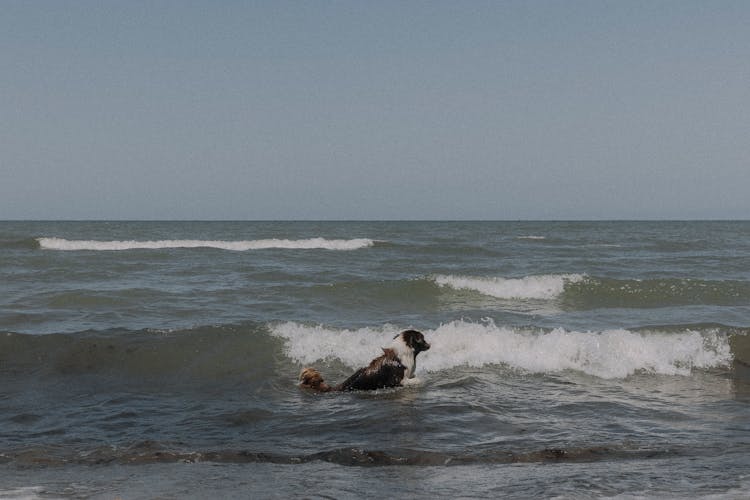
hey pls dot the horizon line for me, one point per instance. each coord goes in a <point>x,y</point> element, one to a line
<point>385,220</point>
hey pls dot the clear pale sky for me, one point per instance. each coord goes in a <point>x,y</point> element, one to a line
<point>374,110</point>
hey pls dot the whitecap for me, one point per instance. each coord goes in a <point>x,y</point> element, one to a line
<point>23,493</point>
<point>606,354</point>
<point>239,246</point>
<point>544,287</point>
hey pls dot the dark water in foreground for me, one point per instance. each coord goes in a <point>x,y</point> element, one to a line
<point>568,360</point>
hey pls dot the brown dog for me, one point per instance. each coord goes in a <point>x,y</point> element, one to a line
<point>395,365</point>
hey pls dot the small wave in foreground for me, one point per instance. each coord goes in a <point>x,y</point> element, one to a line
<point>150,452</point>
<point>238,246</point>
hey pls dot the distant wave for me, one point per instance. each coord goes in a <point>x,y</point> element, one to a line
<point>531,237</point>
<point>529,287</point>
<point>596,292</point>
<point>25,243</point>
<point>581,292</point>
<point>607,354</point>
<point>239,246</point>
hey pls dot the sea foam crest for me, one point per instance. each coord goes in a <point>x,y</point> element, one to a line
<point>302,244</point>
<point>607,354</point>
<point>23,493</point>
<point>530,287</point>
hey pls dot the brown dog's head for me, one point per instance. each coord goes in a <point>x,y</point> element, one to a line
<point>312,379</point>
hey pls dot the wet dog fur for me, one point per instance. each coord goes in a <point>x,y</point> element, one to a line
<point>395,366</point>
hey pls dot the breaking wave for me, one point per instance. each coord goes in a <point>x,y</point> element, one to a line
<point>606,354</point>
<point>529,287</point>
<point>253,351</point>
<point>579,291</point>
<point>238,246</point>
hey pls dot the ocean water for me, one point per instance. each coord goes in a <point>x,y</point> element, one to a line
<point>568,359</point>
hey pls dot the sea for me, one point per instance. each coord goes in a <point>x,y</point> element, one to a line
<point>144,360</point>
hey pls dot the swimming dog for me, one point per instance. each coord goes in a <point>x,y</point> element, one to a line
<point>394,367</point>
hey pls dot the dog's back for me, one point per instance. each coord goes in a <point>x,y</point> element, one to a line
<point>384,371</point>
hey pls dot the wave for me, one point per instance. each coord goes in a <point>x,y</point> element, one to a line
<point>23,493</point>
<point>607,354</point>
<point>184,355</point>
<point>239,246</point>
<point>660,292</point>
<point>24,243</point>
<point>152,452</point>
<point>579,291</point>
<point>254,351</point>
<point>529,287</point>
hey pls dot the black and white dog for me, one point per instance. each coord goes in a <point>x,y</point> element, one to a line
<point>392,369</point>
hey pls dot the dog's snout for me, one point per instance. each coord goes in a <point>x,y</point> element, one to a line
<point>425,346</point>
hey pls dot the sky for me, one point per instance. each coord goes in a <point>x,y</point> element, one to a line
<point>500,110</point>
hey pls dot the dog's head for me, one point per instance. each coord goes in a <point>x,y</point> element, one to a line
<point>414,340</point>
<point>312,379</point>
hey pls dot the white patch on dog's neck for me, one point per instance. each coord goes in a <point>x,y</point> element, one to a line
<point>406,355</point>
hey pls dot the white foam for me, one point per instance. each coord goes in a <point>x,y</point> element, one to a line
<point>531,237</point>
<point>239,246</point>
<point>607,354</point>
<point>23,493</point>
<point>355,348</point>
<point>544,287</point>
